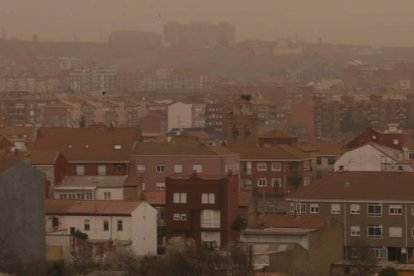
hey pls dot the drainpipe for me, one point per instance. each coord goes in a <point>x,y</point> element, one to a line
<point>406,235</point>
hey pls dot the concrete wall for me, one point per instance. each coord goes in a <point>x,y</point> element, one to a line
<point>22,193</point>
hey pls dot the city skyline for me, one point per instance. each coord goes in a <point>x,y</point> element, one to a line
<point>379,23</point>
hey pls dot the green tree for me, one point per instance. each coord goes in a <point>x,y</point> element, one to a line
<point>388,271</point>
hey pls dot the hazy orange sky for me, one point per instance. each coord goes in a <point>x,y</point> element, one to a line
<point>377,22</point>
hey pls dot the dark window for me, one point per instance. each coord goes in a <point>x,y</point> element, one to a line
<point>120,225</point>
<point>318,160</point>
<point>331,160</point>
<point>55,222</point>
<point>86,226</point>
<point>106,225</point>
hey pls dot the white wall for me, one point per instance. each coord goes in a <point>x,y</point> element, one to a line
<point>265,238</point>
<point>96,223</point>
<point>116,193</point>
<point>144,230</point>
<point>365,158</point>
<point>179,115</point>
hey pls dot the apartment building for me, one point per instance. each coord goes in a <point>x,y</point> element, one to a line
<point>180,155</point>
<point>375,208</point>
<point>273,172</point>
<point>336,118</point>
<point>202,208</point>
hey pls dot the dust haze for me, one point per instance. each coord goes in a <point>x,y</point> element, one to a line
<point>374,22</point>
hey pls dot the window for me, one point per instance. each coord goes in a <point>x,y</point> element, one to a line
<point>89,196</point>
<point>276,166</point>
<point>314,208</point>
<point>179,197</point>
<point>160,186</point>
<point>318,160</point>
<point>276,182</point>
<point>412,232</point>
<point>178,168</point>
<point>374,231</point>
<point>176,216</point>
<point>300,208</point>
<point>261,167</point>
<point>208,198</point>
<point>292,207</point>
<point>141,168</point>
<point>198,168</point>
<point>380,253</point>
<point>335,208</point>
<point>160,168</point>
<point>80,170</point>
<point>86,225</point>
<point>180,217</point>
<point>331,160</point>
<point>355,231</point>
<point>210,218</point>
<point>355,209</point>
<point>102,170</point>
<point>411,155</point>
<point>117,147</point>
<point>119,225</point>
<point>262,182</point>
<point>55,222</point>
<point>107,195</point>
<point>395,209</point>
<point>374,209</point>
<point>395,232</point>
<point>106,225</point>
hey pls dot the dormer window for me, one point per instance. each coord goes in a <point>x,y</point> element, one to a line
<point>70,146</point>
<point>117,147</point>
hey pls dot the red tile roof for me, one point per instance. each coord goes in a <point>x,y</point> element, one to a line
<point>90,207</point>
<point>277,152</point>
<point>322,147</point>
<point>359,186</point>
<point>300,222</point>
<point>91,144</point>
<point>180,145</point>
<point>43,157</point>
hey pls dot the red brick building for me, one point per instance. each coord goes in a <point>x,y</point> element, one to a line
<point>273,172</point>
<point>203,209</point>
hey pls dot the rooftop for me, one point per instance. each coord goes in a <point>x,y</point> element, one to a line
<point>94,143</point>
<point>92,181</point>
<point>90,207</point>
<point>180,145</point>
<point>359,186</point>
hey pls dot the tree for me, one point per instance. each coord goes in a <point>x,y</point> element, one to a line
<point>364,260</point>
<point>388,271</point>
